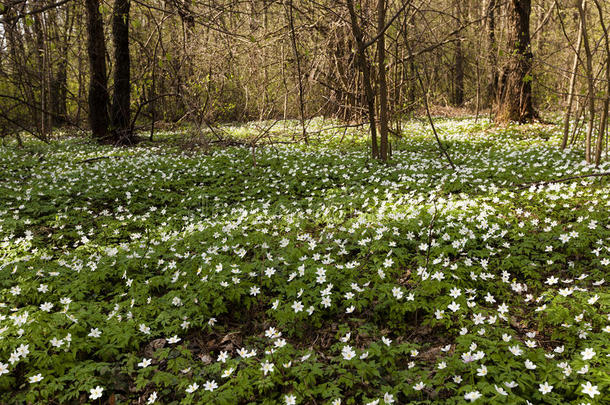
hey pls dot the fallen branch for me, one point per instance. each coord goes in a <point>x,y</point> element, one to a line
<point>93,159</point>
<point>561,180</point>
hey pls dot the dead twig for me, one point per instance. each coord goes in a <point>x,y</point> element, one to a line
<point>560,180</point>
<point>93,159</point>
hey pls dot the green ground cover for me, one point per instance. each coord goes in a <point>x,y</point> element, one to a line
<point>159,274</point>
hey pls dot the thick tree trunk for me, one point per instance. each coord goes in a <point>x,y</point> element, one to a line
<point>515,98</point>
<point>383,86</point>
<point>98,90</point>
<point>122,87</point>
<point>366,75</point>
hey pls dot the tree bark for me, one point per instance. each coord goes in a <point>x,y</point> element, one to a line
<point>409,74</point>
<point>366,75</point>
<point>58,94</point>
<point>458,79</point>
<point>43,67</point>
<point>492,88</point>
<point>606,102</point>
<point>122,86</point>
<point>297,58</point>
<point>98,90</point>
<point>590,79</point>
<point>383,86</point>
<point>566,121</point>
<point>515,100</point>
<point>59,83</point>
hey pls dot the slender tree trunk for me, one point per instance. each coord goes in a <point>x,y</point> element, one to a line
<point>39,27</point>
<point>62,92</point>
<point>478,94</point>
<point>98,90</point>
<point>566,121</point>
<point>59,82</point>
<point>590,79</point>
<point>398,82</point>
<point>59,93</point>
<point>81,85</point>
<point>15,50</point>
<point>297,57</point>
<point>515,100</point>
<point>412,88</point>
<point>153,89</point>
<point>383,86</point>
<point>285,83</point>
<point>122,88</point>
<point>458,97</point>
<point>458,80</point>
<point>55,74</point>
<point>492,88</point>
<point>409,71</point>
<point>366,75</point>
<point>606,103</point>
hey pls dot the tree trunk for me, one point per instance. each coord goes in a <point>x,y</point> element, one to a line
<point>122,87</point>
<point>60,29</point>
<point>297,57</point>
<point>492,88</point>
<point>590,78</point>
<point>458,79</point>
<point>566,121</point>
<point>62,71</point>
<point>383,86</point>
<point>515,99</point>
<point>98,91</point>
<point>606,103</point>
<point>58,94</point>
<point>43,66</point>
<point>409,71</point>
<point>366,74</point>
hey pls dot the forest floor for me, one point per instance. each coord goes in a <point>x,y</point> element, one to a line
<point>183,271</point>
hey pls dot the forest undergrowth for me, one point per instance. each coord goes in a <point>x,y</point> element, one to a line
<point>306,274</point>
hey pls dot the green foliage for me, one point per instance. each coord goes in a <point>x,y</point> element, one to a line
<point>318,274</point>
